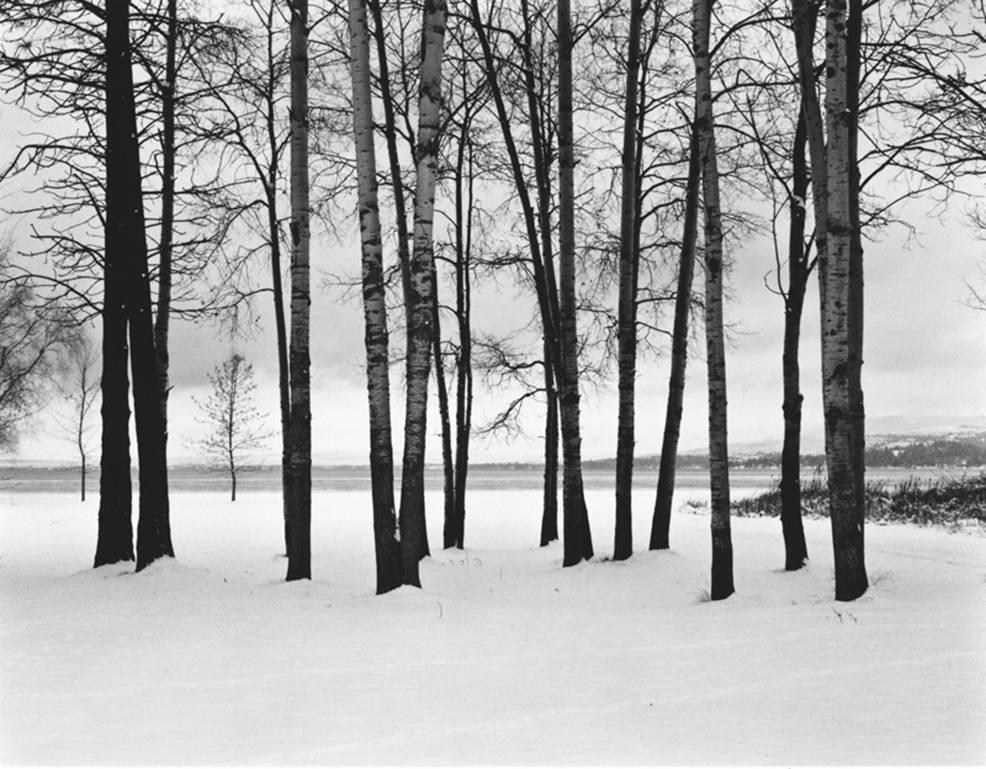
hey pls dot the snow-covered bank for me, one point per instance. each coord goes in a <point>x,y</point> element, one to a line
<point>503,657</point>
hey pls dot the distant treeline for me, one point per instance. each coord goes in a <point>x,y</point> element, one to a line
<point>939,452</point>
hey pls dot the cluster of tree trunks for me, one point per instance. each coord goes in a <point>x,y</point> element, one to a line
<point>824,162</point>
<point>127,316</point>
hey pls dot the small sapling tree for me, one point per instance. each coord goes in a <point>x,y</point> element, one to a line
<point>236,426</point>
<point>80,390</point>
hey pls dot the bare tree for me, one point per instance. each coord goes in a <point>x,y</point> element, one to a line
<point>421,297</point>
<point>839,315</point>
<point>577,536</point>
<point>29,342</point>
<point>661,523</point>
<point>722,549</point>
<point>386,542</point>
<point>299,474</point>
<point>629,271</point>
<point>235,426</point>
<point>126,251</point>
<point>79,386</point>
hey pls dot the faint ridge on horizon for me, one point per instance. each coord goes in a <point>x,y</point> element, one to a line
<point>882,429</point>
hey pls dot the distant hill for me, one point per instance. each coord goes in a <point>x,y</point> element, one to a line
<point>954,450</point>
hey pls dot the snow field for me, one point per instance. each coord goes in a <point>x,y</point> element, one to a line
<point>503,658</point>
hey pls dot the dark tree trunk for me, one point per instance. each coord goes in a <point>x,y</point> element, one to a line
<point>542,152</point>
<point>578,539</point>
<point>661,523</point>
<point>795,547</point>
<point>281,333</point>
<point>549,516</point>
<point>82,479</point>
<point>449,524</point>
<point>114,540</point>
<point>162,321</point>
<point>232,484</point>
<point>464,209</point>
<point>125,218</point>
<point>299,361</point>
<point>627,328</point>
<point>537,228</point>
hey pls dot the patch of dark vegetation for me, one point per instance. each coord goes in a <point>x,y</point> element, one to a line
<point>951,502</point>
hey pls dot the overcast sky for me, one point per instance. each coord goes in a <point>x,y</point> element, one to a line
<point>924,353</point>
<point>924,356</point>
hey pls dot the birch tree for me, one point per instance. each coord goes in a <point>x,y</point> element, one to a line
<point>386,542</point>
<point>299,473</point>
<point>577,542</point>
<point>722,549</point>
<point>837,297</point>
<point>420,299</point>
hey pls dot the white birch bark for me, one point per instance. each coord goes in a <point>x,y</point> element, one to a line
<point>386,541</point>
<point>722,555</point>
<point>577,543</point>
<point>421,298</point>
<point>300,432</point>
<point>847,521</point>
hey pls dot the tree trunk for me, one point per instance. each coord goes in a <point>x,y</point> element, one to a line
<point>114,540</point>
<point>722,549</point>
<point>232,484</point>
<point>162,321</point>
<point>125,219</point>
<point>795,547</point>
<point>414,540</point>
<point>449,534</point>
<point>549,516</point>
<point>271,183</point>
<point>281,333</point>
<point>661,523</point>
<point>538,231</point>
<point>300,432</point>
<point>79,436</point>
<point>464,209</point>
<point>390,134</point>
<point>835,274</point>
<point>627,324</point>
<point>578,539</point>
<point>857,418</point>
<point>387,546</point>
<point>542,152</point>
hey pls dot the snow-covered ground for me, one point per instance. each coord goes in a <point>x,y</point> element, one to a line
<point>504,657</point>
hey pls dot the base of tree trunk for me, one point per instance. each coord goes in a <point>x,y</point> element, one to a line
<point>660,531</point>
<point>722,565</point>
